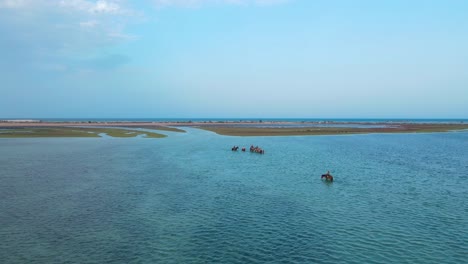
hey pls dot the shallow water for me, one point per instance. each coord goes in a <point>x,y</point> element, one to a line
<point>305,125</point>
<point>187,198</point>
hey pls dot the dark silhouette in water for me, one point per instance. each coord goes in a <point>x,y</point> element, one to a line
<point>257,150</point>
<point>252,149</point>
<point>327,176</point>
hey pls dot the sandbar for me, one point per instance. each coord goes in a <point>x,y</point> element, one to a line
<point>229,128</point>
<point>56,131</point>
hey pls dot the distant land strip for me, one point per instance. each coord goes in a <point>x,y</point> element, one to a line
<point>68,129</point>
<point>19,128</point>
<point>303,131</point>
<point>124,124</point>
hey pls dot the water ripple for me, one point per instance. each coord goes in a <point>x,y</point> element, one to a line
<point>95,201</point>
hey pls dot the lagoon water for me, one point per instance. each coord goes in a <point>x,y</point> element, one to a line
<point>397,198</point>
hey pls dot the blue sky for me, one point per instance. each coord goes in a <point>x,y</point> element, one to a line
<point>233,58</point>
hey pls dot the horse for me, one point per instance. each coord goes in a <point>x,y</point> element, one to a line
<point>257,150</point>
<point>327,177</point>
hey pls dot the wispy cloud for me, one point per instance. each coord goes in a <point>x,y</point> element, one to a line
<point>89,24</point>
<point>13,3</point>
<point>52,32</point>
<point>55,32</point>
<point>199,3</point>
<point>98,7</point>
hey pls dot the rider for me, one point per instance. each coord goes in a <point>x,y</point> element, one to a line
<point>327,174</point>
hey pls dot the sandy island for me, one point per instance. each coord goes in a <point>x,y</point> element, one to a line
<point>17,128</point>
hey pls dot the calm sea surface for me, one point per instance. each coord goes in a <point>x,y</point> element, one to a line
<point>397,198</point>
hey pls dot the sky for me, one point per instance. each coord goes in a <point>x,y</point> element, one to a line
<point>233,59</point>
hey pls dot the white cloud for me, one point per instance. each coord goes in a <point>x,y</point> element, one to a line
<point>54,32</point>
<point>20,4</point>
<point>197,3</point>
<point>12,3</point>
<point>89,24</point>
<point>105,7</point>
<point>93,7</point>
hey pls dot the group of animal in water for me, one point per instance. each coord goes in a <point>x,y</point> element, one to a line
<point>252,149</point>
<point>327,176</point>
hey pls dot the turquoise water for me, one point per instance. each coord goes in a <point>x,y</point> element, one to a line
<point>187,198</point>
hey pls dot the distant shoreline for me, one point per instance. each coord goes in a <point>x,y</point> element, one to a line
<point>86,124</point>
<point>332,128</point>
<point>228,121</point>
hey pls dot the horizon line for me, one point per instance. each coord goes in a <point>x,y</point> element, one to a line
<point>234,118</point>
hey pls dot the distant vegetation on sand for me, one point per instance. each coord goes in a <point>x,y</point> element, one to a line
<point>297,131</point>
<point>133,129</point>
<point>28,132</point>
